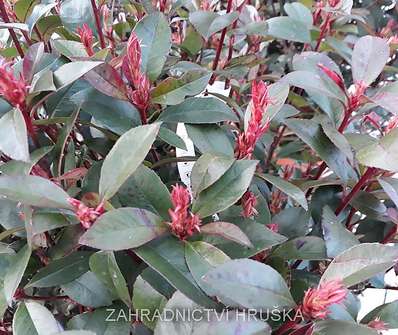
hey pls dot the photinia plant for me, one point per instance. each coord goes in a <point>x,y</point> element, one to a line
<point>197,167</point>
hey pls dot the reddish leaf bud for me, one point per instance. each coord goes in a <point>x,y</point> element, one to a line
<point>183,223</point>
<point>87,38</point>
<point>317,301</point>
<point>332,75</point>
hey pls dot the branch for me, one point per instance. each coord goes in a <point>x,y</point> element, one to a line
<point>14,37</point>
<point>98,24</point>
<point>220,44</point>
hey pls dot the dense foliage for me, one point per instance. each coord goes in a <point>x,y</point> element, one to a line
<point>231,159</point>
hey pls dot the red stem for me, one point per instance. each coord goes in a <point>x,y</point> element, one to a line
<point>358,186</point>
<point>274,145</point>
<point>98,24</point>
<point>14,37</point>
<point>220,45</point>
<point>323,31</point>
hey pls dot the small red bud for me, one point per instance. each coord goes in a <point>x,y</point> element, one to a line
<point>332,75</point>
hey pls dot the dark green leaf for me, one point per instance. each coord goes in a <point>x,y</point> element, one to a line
<point>154,33</point>
<point>291,190</point>
<point>337,327</point>
<point>306,247</point>
<point>227,231</point>
<point>199,110</point>
<point>287,28</point>
<point>207,170</point>
<point>207,23</point>
<point>226,190</point>
<point>15,272</point>
<point>337,237</point>
<point>124,228</point>
<point>61,271</point>
<point>383,154</point>
<point>166,256</point>
<point>14,139</point>
<point>249,284</point>
<point>125,157</point>
<point>172,91</point>
<point>34,191</point>
<point>88,290</point>
<point>34,319</point>
<point>360,263</point>
<point>311,133</point>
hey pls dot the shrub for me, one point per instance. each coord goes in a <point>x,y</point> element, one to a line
<point>187,167</point>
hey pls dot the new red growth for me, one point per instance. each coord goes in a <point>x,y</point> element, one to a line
<point>317,301</point>
<point>87,38</point>
<point>183,222</point>
<point>139,92</point>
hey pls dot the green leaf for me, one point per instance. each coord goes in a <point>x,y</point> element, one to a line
<point>314,83</point>
<point>337,237</point>
<point>154,33</point>
<point>34,319</point>
<point>233,322</point>
<point>312,134</point>
<point>249,284</point>
<point>207,170</point>
<point>170,137</point>
<point>226,190</point>
<point>207,23</point>
<point>104,265</point>
<point>390,186</point>
<point>61,271</point>
<point>116,115</point>
<point>386,313</point>
<point>14,138</point>
<point>291,190</point>
<point>227,231</point>
<point>31,61</point>
<point>15,272</point>
<point>278,93</point>
<point>337,327</point>
<point>74,13</point>
<point>306,247</point>
<point>370,55</point>
<point>107,80</point>
<point>70,72</point>
<point>383,154</point>
<point>287,28</point>
<point>125,157</point>
<point>102,321</point>
<point>123,228</point>
<point>173,91</point>
<point>166,256</point>
<point>88,290</point>
<point>144,189</point>
<point>71,49</point>
<point>201,257</point>
<point>387,97</point>
<point>38,11</point>
<point>360,263</point>
<point>34,191</point>
<point>299,12</point>
<point>199,110</point>
<point>210,139</point>
<point>145,297</point>
<point>260,236</point>
<point>213,323</point>
<point>368,204</point>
